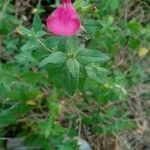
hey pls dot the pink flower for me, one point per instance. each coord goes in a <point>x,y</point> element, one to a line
<point>64,20</point>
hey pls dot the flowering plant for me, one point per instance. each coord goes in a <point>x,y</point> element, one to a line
<point>68,80</point>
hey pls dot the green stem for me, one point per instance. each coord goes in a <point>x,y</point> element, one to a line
<point>44,45</point>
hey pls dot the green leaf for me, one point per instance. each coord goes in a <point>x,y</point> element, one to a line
<point>134,26</point>
<point>37,140</point>
<point>30,45</point>
<point>62,77</point>
<point>69,145</point>
<point>122,125</point>
<point>56,75</point>
<point>70,83</point>
<point>40,34</point>
<point>72,44</point>
<point>32,77</point>
<point>62,44</point>
<point>26,58</point>
<point>8,73</point>
<point>48,126</point>
<point>52,42</point>
<point>111,112</point>
<point>134,43</point>
<point>74,68</point>
<point>26,32</point>
<point>8,116</point>
<point>91,56</point>
<point>7,119</point>
<point>54,58</point>
<point>97,74</point>
<point>67,44</point>
<point>58,129</point>
<point>114,4</point>
<point>92,26</point>
<point>37,24</point>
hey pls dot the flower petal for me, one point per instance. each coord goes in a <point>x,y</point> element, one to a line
<point>64,21</point>
<point>63,28</point>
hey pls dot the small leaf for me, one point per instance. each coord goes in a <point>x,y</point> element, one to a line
<point>37,24</point>
<point>54,58</point>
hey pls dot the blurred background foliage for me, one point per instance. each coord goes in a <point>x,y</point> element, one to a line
<point>110,109</point>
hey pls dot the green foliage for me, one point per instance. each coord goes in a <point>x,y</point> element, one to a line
<point>56,58</point>
<point>96,73</point>
<point>51,87</point>
<point>37,24</point>
<point>91,56</point>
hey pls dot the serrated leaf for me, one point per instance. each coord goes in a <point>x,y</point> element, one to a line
<point>91,56</point>
<point>54,58</point>
<point>74,68</point>
<point>70,83</point>
<point>62,77</point>
<point>37,24</point>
